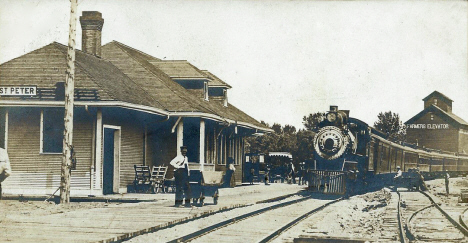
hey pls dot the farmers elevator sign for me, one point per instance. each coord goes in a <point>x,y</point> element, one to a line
<point>18,90</point>
<point>427,126</point>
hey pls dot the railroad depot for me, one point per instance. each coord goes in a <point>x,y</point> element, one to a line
<point>130,109</point>
<point>436,127</point>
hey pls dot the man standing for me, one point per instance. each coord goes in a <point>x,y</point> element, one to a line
<point>5,169</point>
<point>292,173</point>
<point>447,177</point>
<point>181,174</point>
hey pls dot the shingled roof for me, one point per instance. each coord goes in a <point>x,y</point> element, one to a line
<point>216,82</point>
<point>123,76</point>
<point>158,83</point>
<point>180,69</point>
<point>46,66</point>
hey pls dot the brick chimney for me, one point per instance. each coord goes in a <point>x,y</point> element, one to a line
<point>91,25</point>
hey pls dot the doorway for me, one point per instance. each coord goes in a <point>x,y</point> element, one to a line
<point>111,160</point>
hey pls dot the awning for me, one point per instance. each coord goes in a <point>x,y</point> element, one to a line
<point>284,154</point>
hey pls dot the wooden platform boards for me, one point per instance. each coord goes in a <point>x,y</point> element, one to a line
<point>118,221</point>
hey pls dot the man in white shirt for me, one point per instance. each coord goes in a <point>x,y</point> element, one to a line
<point>397,178</point>
<point>5,169</point>
<point>181,174</point>
<point>447,182</point>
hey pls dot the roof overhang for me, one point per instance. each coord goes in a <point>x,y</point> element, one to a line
<point>141,108</point>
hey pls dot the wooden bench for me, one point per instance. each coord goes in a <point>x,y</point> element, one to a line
<point>142,182</point>
<point>158,176</point>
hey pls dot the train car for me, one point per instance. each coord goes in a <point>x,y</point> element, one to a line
<point>351,156</point>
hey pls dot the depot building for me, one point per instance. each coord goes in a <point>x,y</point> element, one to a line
<point>131,108</point>
<point>436,127</point>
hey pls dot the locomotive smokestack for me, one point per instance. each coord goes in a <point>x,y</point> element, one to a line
<point>333,108</point>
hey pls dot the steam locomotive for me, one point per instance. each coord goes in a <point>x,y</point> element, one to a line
<point>351,155</point>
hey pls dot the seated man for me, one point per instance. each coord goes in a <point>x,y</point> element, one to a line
<point>397,178</point>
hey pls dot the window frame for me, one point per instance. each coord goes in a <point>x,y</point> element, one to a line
<point>41,135</point>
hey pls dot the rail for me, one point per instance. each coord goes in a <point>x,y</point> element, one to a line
<point>400,223</point>
<point>276,233</point>
<point>209,229</point>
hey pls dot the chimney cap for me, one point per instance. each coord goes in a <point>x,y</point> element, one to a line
<point>91,15</point>
<point>91,20</point>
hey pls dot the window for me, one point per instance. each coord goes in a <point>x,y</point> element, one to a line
<point>435,101</point>
<point>52,130</point>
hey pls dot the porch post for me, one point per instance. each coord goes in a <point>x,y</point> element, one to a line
<point>180,135</point>
<point>202,144</point>
<point>98,165</point>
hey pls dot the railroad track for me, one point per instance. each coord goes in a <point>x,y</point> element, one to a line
<point>262,225</point>
<point>426,221</point>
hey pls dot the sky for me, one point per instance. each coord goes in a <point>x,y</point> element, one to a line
<point>284,59</point>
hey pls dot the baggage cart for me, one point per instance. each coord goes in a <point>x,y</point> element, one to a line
<point>205,184</point>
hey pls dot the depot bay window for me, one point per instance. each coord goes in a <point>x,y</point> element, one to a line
<point>52,130</point>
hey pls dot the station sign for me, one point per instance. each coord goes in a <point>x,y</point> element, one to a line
<point>18,90</point>
<point>428,126</point>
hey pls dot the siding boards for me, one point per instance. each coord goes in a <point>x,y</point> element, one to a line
<point>131,153</point>
<point>42,171</point>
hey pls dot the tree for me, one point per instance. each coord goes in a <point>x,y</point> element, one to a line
<point>312,120</point>
<point>390,124</point>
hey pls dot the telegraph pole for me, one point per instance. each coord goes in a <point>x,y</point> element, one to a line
<point>68,117</point>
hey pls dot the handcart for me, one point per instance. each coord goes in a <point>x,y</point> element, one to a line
<point>205,184</point>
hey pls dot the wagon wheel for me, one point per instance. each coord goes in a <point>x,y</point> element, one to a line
<point>135,186</point>
<point>202,201</point>
<point>215,198</point>
<point>154,188</point>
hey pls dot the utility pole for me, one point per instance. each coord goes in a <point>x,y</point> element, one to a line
<point>68,116</point>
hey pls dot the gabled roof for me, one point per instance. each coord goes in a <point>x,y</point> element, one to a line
<point>169,93</point>
<point>447,116</point>
<point>46,66</point>
<point>216,82</point>
<point>438,94</point>
<point>179,69</point>
<point>123,77</point>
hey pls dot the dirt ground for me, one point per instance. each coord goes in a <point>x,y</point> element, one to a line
<point>362,216</point>
<point>358,217</point>
<point>368,216</point>
<point>11,209</point>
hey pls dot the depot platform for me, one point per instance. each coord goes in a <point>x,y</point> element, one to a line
<point>117,221</point>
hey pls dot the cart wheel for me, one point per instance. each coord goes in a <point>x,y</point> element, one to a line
<point>215,200</point>
<point>202,202</point>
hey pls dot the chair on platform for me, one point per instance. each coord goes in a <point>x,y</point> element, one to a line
<point>158,176</point>
<point>142,182</point>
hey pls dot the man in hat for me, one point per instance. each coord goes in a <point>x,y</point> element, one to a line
<point>397,178</point>
<point>447,177</point>
<point>5,169</point>
<point>181,174</point>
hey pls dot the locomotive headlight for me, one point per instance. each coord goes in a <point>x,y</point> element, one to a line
<point>331,117</point>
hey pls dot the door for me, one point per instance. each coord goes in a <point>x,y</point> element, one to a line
<point>111,162</point>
